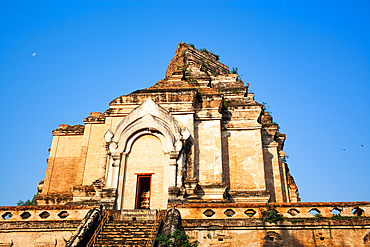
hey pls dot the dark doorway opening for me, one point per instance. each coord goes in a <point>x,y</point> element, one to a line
<point>143,192</point>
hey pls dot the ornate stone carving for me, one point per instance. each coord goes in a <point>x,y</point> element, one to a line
<point>108,136</point>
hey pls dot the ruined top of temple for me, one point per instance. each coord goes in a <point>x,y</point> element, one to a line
<point>196,68</point>
<point>192,69</point>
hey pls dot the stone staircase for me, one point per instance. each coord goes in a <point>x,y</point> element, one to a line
<point>119,233</point>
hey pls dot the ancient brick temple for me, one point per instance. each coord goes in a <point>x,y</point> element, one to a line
<point>196,144</point>
<point>198,134</point>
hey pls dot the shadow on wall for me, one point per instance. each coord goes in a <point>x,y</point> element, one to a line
<point>225,158</point>
<point>269,174</point>
<point>314,237</point>
<point>196,151</point>
<point>367,239</point>
<point>280,238</point>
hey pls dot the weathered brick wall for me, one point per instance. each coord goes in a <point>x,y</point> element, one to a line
<point>39,226</point>
<point>63,164</point>
<point>245,160</point>
<point>95,147</point>
<point>228,224</point>
<point>208,146</point>
<point>256,233</point>
<point>36,234</point>
<point>274,175</point>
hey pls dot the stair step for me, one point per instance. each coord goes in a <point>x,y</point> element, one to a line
<point>125,233</point>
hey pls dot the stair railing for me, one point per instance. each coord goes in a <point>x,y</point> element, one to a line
<point>151,236</point>
<point>105,218</point>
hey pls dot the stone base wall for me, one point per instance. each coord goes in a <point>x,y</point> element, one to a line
<point>257,233</point>
<point>36,233</point>
<point>296,224</point>
<point>39,226</point>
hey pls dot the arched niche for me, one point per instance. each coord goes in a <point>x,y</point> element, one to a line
<point>147,119</point>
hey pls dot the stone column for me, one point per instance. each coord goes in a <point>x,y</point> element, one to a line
<point>173,168</point>
<point>115,170</point>
<point>173,189</point>
<point>121,182</point>
<point>272,149</point>
<point>109,175</point>
<point>179,171</point>
<point>284,181</point>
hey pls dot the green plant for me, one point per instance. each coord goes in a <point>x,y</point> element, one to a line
<point>214,74</point>
<point>275,123</point>
<point>234,70</point>
<point>270,214</point>
<point>28,202</point>
<point>204,68</point>
<point>183,68</point>
<point>176,240</point>
<point>190,79</point>
<point>319,217</point>
<point>192,45</point>
<point>265,109</point>
<point>211,52</point>
<point>295,220</point>
<point>235,90</point>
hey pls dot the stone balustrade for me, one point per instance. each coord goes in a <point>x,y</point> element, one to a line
<point>43,213</point>
<point>287,210</point>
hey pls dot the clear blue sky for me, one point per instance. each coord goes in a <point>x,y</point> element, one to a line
<point>309,60</point>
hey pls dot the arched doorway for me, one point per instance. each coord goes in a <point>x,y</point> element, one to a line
<point>145,174</point>
<point>147,142</point>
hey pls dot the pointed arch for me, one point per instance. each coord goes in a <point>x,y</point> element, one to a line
<point>148,118</point>
<point>151,117</point>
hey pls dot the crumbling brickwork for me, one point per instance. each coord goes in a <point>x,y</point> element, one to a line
<point>218,142</point>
